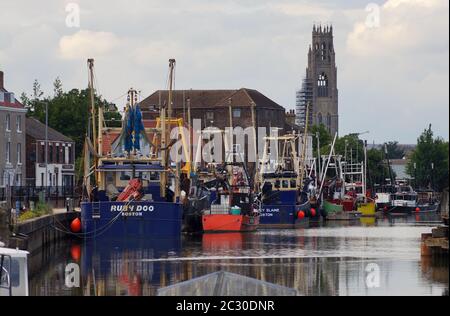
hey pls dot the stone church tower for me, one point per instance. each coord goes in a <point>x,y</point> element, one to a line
<point>319,87</point>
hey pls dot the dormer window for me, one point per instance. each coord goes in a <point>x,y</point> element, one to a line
<point>9,97</point>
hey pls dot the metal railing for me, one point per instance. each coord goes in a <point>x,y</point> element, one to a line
<point>25,194</point>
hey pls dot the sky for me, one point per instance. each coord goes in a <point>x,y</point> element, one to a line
<point>392,55</point>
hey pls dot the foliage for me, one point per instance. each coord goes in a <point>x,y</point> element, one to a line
<point>324,137</point>
<point>41,209</point>
<point>350,147</point>
<point>68,112</point>
<point>429,152</point>
<point>394,151</point>
<point>377,168</point>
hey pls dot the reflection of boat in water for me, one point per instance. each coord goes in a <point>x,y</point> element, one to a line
<point>128,266</point>
<point>219,243</point>
<point>135,193</point>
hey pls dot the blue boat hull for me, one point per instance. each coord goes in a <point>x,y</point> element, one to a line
<point>282,216</point>
<point>140,219</point>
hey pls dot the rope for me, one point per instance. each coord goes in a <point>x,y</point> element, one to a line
<point>95,231</point>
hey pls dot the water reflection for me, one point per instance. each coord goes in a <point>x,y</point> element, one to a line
<point>331,259</point>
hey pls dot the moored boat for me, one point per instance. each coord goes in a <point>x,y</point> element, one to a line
<point>134,193</point>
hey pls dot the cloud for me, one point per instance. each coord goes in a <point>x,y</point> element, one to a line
<point>395,74</point>
<point>406,26</point>
<point>84,44</point>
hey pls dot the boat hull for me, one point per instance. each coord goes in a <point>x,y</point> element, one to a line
<point>220,223</point>
<point>139,219</point>
<point>331,208</point>
<point>367,209</point>
<point>283,216</point>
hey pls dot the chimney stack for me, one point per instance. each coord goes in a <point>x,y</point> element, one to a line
<point>1,80</point>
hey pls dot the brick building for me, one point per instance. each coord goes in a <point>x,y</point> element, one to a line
<point>60,157</point>
<point>12,138</point>
<point>212,107</point>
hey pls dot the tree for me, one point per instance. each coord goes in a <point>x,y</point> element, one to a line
<point>57,87</point>
<point>350,147</point>
<point>68,112</point>
<point>394,151</point>
<point>377,168</point>
<point>429,162</point>
<point>324,138</point>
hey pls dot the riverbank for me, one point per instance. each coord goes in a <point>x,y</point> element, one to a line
<point>35,233</point>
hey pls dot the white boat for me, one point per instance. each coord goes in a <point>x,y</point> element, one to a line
<point>13,272</point>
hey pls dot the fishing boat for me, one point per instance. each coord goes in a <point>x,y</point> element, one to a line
<point>287,185</point>
<point>135,192</point>
<point>367,207</point>
<point>341,185</point>
<point>234,208</point>
<point>427,201</point>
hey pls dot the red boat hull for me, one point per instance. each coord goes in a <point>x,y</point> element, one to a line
<point>218,223</point>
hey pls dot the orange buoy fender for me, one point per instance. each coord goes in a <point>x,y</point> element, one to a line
<point>301,215</point>
<point>75,226</point>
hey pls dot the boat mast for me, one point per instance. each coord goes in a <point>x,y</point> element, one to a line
<point>303,154</point>
<point>94,130</point>
<point>169,106</point>
<point>91,92</point>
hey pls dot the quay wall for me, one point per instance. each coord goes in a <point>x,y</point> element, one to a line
<point>36,233</point>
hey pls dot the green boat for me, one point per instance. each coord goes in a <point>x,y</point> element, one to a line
<point>331,208</point>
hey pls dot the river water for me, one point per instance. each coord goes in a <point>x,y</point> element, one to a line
<point>366,257</point>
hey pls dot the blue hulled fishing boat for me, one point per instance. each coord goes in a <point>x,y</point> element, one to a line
<point>135,192</point>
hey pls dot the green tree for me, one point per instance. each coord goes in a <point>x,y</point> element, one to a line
<point>377,168</point>
<point>394,151</point>
<point>324,138</point>
<point>68,112</point>
<point>429,161</point>
<point>57,87</point>
<point>350,147</point>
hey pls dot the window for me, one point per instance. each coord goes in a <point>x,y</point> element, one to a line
<point>277,184</point>
<point>319,118</point>
<point>42,179</point>
<point>19,123</point>
<point>323,51</point>
<point>322,84</point>
<point>70,153</point>
<point>43,152</point>
<point>19,153</point>
<point>329,121</point>
<point>285,184</point>
<point>293,184</point>
<point>8,122</point>
<point>210,115</point>
<point>57,154</point>
<point>8,152</point>
<point>50,153</point>
<point>18,180</point>
<point>237,113</point>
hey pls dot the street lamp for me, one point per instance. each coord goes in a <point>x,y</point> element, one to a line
<point>46,151</point>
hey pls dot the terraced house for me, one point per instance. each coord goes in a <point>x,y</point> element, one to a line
<point>12,138</point>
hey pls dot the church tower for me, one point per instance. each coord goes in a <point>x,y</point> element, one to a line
<point>319,88</point>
